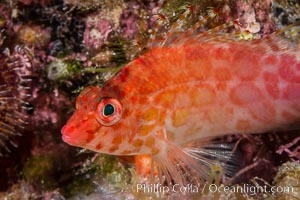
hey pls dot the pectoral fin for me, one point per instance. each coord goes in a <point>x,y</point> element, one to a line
<point>192,164</point>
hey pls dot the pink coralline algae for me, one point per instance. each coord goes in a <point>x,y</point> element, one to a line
<point>136,17</point>
<point>51,108</point>
<point>129,24</point>
<point>96,31</point>
<point>253,16</point>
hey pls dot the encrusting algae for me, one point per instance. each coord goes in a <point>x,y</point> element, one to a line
<point>189,88</point>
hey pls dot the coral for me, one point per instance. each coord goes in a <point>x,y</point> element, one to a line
<point>66,28</point>
<point>59,68</point>
<point>285,12</point>
<point>287,179</point>
<point>129,22</point>
<point>21,190</point>
<point>32,35</point>
<point>25,191</point>
<point>100,176</point>
<point>85,5</point>
<point>51,105</point>
<point>101,25</point>
<point>39,2</point>
<point>96,32</point>
<point>253,16</point>
<point>246,17</point>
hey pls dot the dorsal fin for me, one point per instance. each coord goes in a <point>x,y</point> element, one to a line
<point>291,32</point>
<point>285,40</point>
<point>175,33</point>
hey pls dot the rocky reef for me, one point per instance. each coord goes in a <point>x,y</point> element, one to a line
<point>50,50</point>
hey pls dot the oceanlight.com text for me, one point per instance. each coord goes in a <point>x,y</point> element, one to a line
<point>250,189</point>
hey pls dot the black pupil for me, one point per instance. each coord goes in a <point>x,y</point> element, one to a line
<point>108,110</point>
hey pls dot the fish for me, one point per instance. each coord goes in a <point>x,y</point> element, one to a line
<point>187,89</point>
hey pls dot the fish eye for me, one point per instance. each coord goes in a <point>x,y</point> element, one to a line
<point>109,111</point>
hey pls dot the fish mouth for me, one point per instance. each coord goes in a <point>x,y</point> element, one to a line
<point>72,136</point>
<point>66,138</point>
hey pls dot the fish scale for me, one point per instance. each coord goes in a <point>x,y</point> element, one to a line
<point>196,87</point>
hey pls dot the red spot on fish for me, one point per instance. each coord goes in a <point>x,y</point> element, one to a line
<point>67,129</point>
<point>246,65</point>
<point>94,106</point>
<point>263,111</point>
<point>191,54</point>
<point>271,60</point>
<point>243,125</point>
<point>220,53</point>
<point>84,98</point>
<point>99,146</point>
<point>122,94</point>
<point>221,85</point>
<point>140,60</point>
<point>123,75</point>
<point>292,92</point>
<point>143,164</point>
<point>117,140</point>
<point>90,136</point>
<point>115,88</point>
<point>272,84</point>
<point>222,74</point>
<point>245,94</point>
<point>113,148</point>
<point>288,69</point>
<point>134,99</point>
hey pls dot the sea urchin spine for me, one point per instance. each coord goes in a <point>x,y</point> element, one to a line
<point>15,90</point>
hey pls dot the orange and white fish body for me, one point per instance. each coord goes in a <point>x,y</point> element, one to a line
<point>193,88</point>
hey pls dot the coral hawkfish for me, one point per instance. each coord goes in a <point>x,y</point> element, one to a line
<point>189,87</point>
